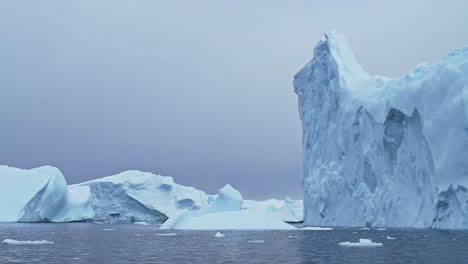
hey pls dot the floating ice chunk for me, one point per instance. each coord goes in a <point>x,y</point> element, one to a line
<point>390,238</point>
<point>141,223</point>
<point>355,232</point>
<point>381,229</point>
<point>291,236</point>
<point>167,234</point>
<point>27,242</point>
<point>364,228</point>
<point>108,229</point>
<point>256,241</point>
<point>316,228</point>
<point>362,243</point>
<point>218,234</point>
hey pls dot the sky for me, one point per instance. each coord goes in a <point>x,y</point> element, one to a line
<point>198,90</point>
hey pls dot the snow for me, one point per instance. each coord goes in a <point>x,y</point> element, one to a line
<point>316,228</point>
<point>287,210</point>
<point>224,214</point>
<point>219,235</point>
<point>228,199</point>
<point>231,220</point>
<point>375,149</point>
<point>155,192</point>
<point>27,242</point>
<point>362,243</point>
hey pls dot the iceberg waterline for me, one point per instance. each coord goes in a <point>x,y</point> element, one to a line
<point>42,195</point>
<point>376,151</point>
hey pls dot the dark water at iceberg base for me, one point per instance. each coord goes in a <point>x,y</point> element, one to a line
<point>129,243</point>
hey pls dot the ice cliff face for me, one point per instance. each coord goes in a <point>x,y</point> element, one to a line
<point>375,149</point>
<point>36,195</point>
<point>136,189</point>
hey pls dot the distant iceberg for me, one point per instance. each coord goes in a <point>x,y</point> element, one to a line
<point>225,214</point>
<point>27,242</point>
<point>42,195</point>
<point>362,243</point>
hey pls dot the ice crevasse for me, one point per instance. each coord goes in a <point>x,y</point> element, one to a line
<point>377,151</point>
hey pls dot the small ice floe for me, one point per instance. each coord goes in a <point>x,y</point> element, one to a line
<point>316,228</point>
<point>27,242</point>
<point>426,235</point>
<point>291,236</point>
<point>362,243</point>
<point>365,228</point>
<point>256,241</point>
<point>167,234</point>
<point>390,238</point>
<point>381,229</point>
<point>108,229</point>
<point>355,232</point>
<point>218,234</point>
<point>141,223</point>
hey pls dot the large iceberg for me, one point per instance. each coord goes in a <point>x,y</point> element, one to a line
<point>42,195</point>
<point>377,149</point>
<point>141,196</point>
<point>225,213</point>
<point>36,195</point>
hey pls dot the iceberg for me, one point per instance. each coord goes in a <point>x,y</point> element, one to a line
<point>287,210</point>
<point>219,235</point>
<point>316,228</point>
<point>42,195</point>
<point>27,242</point>
<point>143,196</point>
<point>362,243</point>
<point>452,209</point>
<point>225,213</point>
<point>376,149</point>
<point>35,195</point>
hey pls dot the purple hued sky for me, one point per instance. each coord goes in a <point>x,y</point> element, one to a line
<point>198,90</point>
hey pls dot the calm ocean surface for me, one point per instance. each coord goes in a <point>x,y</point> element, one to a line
<point>129,243</point>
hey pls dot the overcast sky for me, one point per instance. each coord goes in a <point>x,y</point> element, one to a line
<point>199,90</point>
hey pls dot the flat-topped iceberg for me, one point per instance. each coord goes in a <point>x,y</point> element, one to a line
<point>225,214</point>
<point>155,192</point>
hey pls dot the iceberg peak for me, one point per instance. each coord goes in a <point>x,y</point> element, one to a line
<point>349,70</point>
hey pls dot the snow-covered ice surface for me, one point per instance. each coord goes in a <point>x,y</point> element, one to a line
<point>225,213</point>
<point>376,149</point>
<point>27,242</point>
<point>362,243</point>
<point>287,210</point>
<point>42,195</point>
<point>156,196</point>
